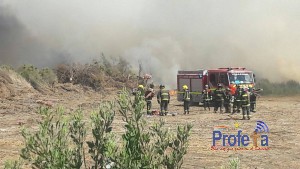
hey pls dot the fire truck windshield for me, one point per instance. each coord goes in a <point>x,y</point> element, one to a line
<point>237,78</point>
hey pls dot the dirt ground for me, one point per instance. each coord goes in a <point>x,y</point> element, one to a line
<point>281,114</point>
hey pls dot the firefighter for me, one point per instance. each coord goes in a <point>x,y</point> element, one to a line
<point>139,94</point>
<point>149,94</point>
<point>206,97</point>
<point>219,96</point>
<point>139,90</point>
<point>245,100</point>
<point>253,95</point>
<point>186,99</point>
<point>163,98</point>
<point>237,100</point>
<point>228,100</point>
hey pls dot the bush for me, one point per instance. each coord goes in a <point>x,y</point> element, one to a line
<point>6,67</point>
<point>103,147</point>
<point>59,140</point>
<point>104,72</point>
<point>290,87</point>
<point>12,165</point>
<point>48,76</point>
<point>232,164</point>
<point>155,147</point>
<point>57,143</point>
<point>64,73</point>
<point>38,78</point>
<point>31,74</point>
<point>88,75</point>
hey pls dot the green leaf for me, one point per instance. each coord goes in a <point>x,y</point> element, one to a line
<point>176,143</point>
<point>108,129</point>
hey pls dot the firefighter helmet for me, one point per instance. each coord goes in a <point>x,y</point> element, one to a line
<point>141,87</point>
<point>161,86</point>
<point>185,87</point>
<point>219,85</point>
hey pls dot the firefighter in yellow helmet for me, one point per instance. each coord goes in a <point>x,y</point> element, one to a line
<point>140,90</point>
<point>163,98</point>
<point>186,99</point>
<point>139,93</point>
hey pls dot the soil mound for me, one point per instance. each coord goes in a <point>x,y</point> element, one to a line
<point>12,84</point>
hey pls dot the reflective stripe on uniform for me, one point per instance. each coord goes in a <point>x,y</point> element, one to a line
<point>190,92</point>
<point>245,100</point>
<point>186,96</point>
<point>164,95</point>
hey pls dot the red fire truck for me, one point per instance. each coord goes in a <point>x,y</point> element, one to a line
<point>228,77</point>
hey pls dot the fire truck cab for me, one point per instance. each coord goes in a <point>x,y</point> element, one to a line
<point>228,77</point>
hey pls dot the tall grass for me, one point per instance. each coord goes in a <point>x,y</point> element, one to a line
<point>290,87</point>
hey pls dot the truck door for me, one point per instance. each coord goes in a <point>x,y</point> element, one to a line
<point>196,90</point>
<point>224,79</point>
<point>213,79</point>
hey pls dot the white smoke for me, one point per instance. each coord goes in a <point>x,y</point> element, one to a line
<point>164,35</point>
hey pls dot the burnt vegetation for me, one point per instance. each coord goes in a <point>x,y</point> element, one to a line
<point>101,73</point>
<point>104,72</point>
<point>114,72</point>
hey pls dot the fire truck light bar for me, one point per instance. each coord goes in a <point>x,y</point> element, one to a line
<point>234,68</point>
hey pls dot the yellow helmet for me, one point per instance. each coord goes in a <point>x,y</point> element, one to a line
<point>141,86</point>
<point>185,87</point>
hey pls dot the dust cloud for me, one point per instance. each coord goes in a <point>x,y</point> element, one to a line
<point>164,36</point>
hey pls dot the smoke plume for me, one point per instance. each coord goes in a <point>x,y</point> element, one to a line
<point>162,35</point>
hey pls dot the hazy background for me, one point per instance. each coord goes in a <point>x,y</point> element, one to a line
<point>263,35</point>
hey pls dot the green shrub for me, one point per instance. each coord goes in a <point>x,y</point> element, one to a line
<point>38,78</point>
<point>6,67</point>
<point>32,75</point>
<point>60,141</point>
<point>103,147</point>
<point>51,146</point>
<point>153,147</point>
<point>12,165</point>
<point>232,164</point>
<point>48,76</point>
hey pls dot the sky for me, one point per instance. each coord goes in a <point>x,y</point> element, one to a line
<point>165,36</point>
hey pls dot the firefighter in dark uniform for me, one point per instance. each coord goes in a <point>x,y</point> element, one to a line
<point>219,96</point>
<point>206,96</point>
<point>149,94</point>
<point>163,98</point>
<point>237,100</point>
<point>228,100</point>
<point>245,103</point>
<point>186,99</point>
<point>253,96</point>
